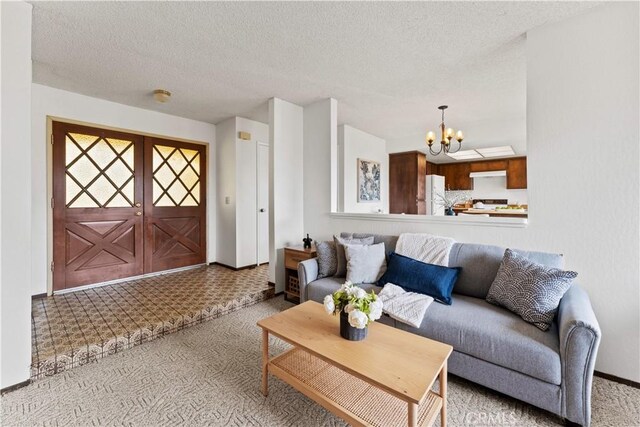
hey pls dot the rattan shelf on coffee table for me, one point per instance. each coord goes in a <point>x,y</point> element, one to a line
<point>360,402</point>
<point>385,380</point>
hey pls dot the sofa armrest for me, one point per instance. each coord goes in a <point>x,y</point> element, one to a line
<point>579,340</point>
<point>307,273</point>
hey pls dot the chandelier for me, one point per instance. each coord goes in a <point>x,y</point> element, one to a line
<point>445,139</point>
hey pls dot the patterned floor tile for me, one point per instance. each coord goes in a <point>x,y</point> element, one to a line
<point>76,328</point>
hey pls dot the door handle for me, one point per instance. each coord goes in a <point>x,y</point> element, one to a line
<point>262,210</point>
<point>138,213</point>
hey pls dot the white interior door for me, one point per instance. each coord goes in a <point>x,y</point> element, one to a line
<point>262,186</point>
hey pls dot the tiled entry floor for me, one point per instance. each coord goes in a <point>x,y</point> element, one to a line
<point>72,329</point>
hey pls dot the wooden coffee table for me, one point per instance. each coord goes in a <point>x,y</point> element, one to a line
<point>385,380</point>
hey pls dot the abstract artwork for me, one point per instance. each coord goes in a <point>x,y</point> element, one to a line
<point>368,181</point>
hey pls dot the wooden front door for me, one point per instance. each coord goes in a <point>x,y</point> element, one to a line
<point>124,205</point>
<point>175,204</point>
<point>97,198</point>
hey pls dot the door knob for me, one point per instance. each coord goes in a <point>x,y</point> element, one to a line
<point>262,210</point>
<point>138,204</point>
<point>138,213</point>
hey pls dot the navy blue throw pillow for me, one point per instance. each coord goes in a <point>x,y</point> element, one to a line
<point>417,276</point>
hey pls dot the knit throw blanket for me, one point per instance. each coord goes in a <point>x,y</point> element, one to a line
<point>403,306</point>
<point>425,247</point>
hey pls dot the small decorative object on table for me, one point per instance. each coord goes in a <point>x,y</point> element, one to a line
<point>357,309</point>
<point>307,241</point>
<point>449,199</point>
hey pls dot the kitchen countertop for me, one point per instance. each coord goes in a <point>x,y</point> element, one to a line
<point>497,212</point>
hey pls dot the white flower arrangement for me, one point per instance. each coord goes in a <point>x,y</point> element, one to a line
<point>451,198</point>
<point>362,307</point>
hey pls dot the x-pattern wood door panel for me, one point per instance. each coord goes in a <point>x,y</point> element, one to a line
<point>125,205</point>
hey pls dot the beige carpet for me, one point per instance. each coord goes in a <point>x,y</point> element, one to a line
<point>210,375</point>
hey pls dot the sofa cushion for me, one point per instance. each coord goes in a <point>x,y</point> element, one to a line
<point>529,289</point>
<point>417,276</point>
<point>494,334</point>
<point>327,259</point>
<point>318,289</point>
<point>341,258</point>
<point>480,265</point>
<point>365,263</point>
<point>389,241</point>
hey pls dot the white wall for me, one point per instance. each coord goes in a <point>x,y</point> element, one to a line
<point>15,194</point>
<point>582,99</point>
<point>236,169</point>
<point>354,144</point>
<point>286,183</point>
<point>496,188</point>
<point>226,192</point>
<point>47,101</point>
<point>246,189</point>
<point>320,144</point>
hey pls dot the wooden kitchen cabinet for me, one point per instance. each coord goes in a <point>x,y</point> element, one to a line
<point>488,166</point>
<point>517,173</point>
<point>407,176</point>
<point>456,176</point>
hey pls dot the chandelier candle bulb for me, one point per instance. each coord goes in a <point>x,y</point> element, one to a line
<point>447,135</point>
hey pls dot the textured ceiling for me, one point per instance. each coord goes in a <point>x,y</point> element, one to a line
<point>389,65</point>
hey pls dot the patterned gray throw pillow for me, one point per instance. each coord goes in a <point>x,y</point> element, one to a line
<point>528,289</point>
<point>341,270</point>
<point>327,260</point>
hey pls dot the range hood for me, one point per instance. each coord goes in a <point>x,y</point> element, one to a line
<point>489,174</point>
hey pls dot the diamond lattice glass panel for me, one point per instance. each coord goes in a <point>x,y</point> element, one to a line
<point>195,164</point>
<point>102,190</point>
<point>71,151</point>
<point>72,189</point>
<point>119,173</point>
<point>83,171</point>
<point>177,192</point>
<point>189,177</point>
<point>164,201</point>
<point>118,202</point>
<point>127,191</point>
<point>127,157</point>
<point>118,144</point>
<point>113,157</point>
<point>84,141</point>
<point>169,162</point>
<point>164,176</point>
<point>189,201</point>
<point>84,201</point>
<point>164,151</point>
<point>196,192</point>
<point>177,161</point>
<point>189,154</point>
<point>102,154</point>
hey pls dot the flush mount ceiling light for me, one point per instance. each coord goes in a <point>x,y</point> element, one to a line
<point>481,153</point>
<point>161,95</point>
<point>496,151</point>
<point>465,155</point>
<point>446,135</point>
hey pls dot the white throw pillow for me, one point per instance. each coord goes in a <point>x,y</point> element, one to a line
<point>365,263</point>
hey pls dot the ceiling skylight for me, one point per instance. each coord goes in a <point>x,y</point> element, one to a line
<point>496,151</point>
<point>465,155</point>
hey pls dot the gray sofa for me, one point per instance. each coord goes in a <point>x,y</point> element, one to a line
<point>494,347</point>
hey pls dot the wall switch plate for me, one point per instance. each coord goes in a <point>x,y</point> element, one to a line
<point>227,200</point>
